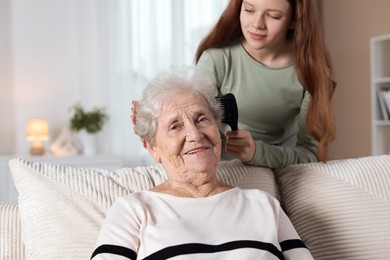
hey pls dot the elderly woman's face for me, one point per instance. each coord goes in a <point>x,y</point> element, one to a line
<point>187,137</point>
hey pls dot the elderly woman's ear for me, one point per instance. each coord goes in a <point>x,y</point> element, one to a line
<point>152,151</point>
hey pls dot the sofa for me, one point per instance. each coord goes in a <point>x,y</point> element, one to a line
<point>341,209</point>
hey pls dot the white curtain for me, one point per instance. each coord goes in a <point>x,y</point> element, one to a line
<point>143,38</point>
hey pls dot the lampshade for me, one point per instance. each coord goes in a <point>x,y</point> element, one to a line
<point>37,131</point>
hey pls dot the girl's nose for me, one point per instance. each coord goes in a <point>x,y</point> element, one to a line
<point>259,22</point>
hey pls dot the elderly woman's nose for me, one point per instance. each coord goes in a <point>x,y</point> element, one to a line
<point>193,133</point>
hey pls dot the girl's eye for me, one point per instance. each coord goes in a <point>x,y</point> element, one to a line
<point>248,10</point>
<point>277,17</point>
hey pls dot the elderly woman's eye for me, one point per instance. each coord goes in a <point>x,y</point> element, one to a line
<point>202,119</point>
<point>173,127</point>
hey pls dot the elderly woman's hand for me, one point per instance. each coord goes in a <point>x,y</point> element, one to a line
<point>240,144</point>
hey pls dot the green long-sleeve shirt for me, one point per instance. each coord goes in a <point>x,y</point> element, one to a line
<point>272,105</point>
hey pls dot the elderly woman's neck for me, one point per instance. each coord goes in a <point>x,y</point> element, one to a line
<point>191,190</point>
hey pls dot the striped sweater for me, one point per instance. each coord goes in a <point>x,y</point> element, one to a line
<point>235,224</point>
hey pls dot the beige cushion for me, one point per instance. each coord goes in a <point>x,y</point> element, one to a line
<point>62,208</point>
<point>341,209</point>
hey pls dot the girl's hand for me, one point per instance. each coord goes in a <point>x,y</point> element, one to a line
<point>133,119</point>
<point>240,144</point>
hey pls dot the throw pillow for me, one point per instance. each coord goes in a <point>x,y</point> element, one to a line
<point>341,208</point>
<point>62,208</point>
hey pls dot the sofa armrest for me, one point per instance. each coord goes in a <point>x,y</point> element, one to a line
<point>11,245</point>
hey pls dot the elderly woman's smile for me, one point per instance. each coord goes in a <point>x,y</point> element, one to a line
<point>196,150</point>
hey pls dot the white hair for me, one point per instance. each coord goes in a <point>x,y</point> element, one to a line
<point>163,88</point>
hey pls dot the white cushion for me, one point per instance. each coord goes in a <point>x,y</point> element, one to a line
<point>341,209</point>
<point>11,246</point>
<point>62,208</point>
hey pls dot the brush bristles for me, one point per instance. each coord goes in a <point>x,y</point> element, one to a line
<point>230,111</point>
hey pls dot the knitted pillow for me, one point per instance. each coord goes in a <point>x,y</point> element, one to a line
<point>340,209</point>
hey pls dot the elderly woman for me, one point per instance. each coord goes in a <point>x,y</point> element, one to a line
<point>192,215</point>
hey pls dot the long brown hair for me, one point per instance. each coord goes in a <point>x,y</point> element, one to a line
<point>312,62</point>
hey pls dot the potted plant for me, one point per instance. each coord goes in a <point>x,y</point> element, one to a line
<point>91,121</point>
<point>88,124</point>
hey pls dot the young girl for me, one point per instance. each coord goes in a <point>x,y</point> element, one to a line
<point>270,54</point>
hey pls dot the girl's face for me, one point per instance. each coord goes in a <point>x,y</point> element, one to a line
<point>265,23</point>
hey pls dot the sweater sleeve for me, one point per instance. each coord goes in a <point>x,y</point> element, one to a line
<point>207,65</point>
<point>279,156</point>
<point>291,244</point>
<point>119,235</point>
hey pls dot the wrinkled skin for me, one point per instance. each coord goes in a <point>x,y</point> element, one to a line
<point>188,144</point>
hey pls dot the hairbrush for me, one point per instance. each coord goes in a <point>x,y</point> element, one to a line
<point>230,110</point>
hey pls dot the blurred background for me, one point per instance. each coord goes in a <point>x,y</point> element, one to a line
<point>102,53</point>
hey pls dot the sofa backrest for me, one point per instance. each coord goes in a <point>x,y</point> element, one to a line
<point>341,209</point>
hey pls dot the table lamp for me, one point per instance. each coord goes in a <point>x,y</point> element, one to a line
<point>37,131</point>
